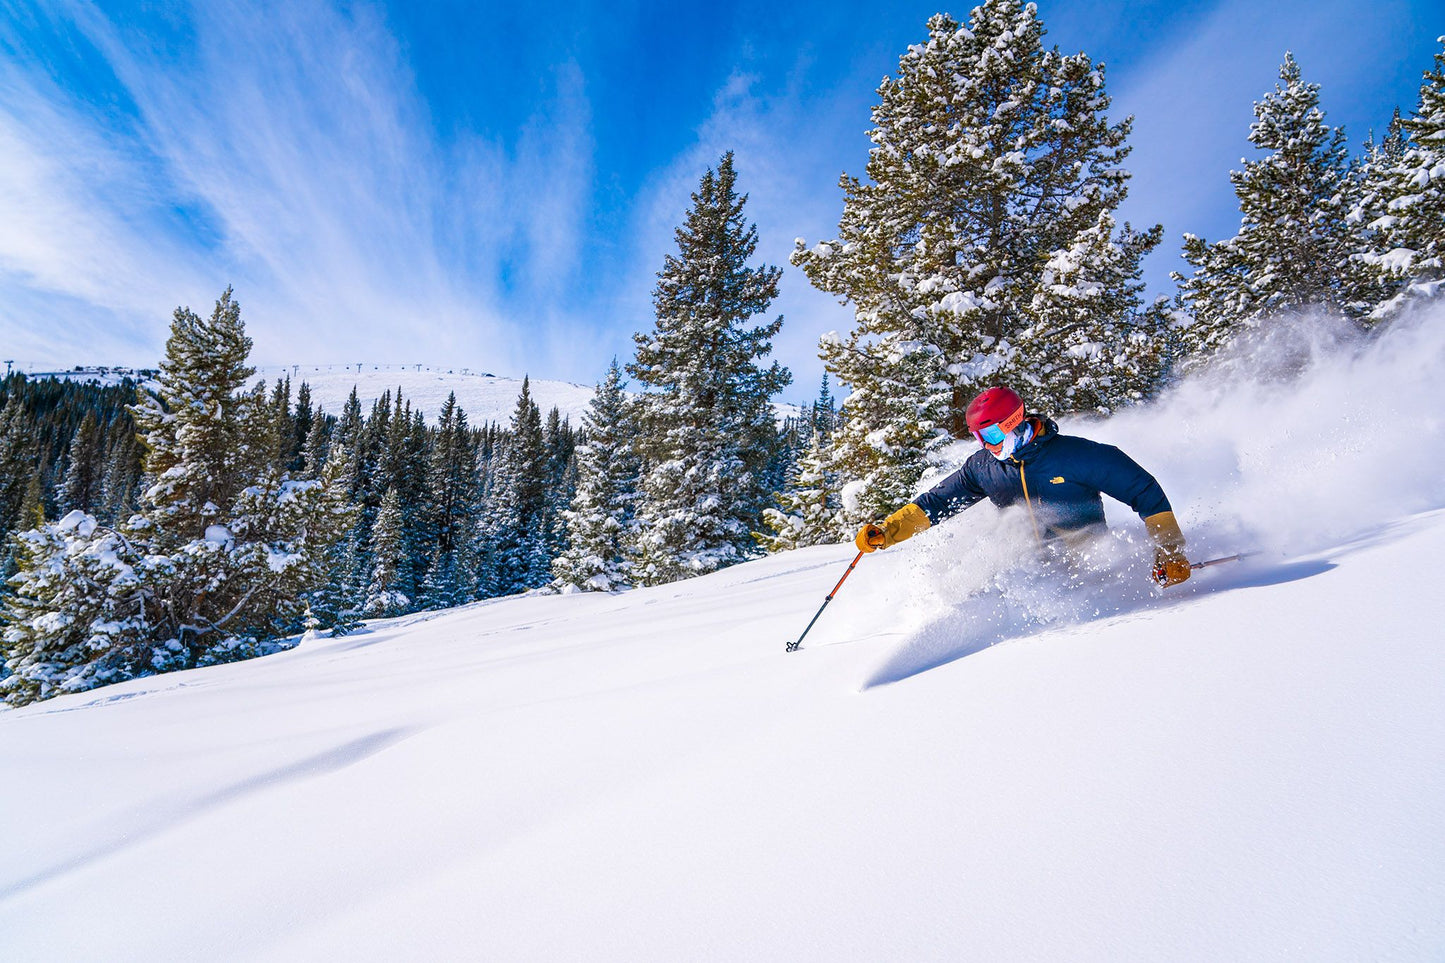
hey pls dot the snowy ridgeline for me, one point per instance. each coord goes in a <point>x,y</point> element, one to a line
<point>483,396</point>
<point>107,376</point>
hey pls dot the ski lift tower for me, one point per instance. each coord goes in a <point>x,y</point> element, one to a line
<point>8,363</point>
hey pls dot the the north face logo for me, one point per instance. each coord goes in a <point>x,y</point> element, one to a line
<point>1056,480</point>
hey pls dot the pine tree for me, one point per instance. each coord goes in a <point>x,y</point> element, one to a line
<point>285,422</point>
<point>973,245</point>
<point>600,527</point>
<point>1091,347</point>
<point>284,537</point>
<point>707,427</point>
<point>32,506</point>
<point>389,589</point>
<point>824,417</point>
<point>241,539</point>
<point>1294,241</point>
<point>349,434</point>
<point>562,474</point>
<point>1364,287</point>
<point>122,474</point>
<point>452,481</point>
<point>332,558</point>
<point>225,556</point>
<point>74,618</point>
<point>305,415</point>
<point>515,530</point>
<point>313,452</point>
<point>17,465</point>
<point>82,487</point>
<point>192,431</point>
<point>808,511</point>
<point>1404,203</point>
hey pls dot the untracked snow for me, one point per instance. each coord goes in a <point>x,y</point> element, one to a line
<point>973,757</point>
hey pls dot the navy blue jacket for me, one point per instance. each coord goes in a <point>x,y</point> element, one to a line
<point>1062,477</point>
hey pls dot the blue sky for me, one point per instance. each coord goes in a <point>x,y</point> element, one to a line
<point>495,185</point>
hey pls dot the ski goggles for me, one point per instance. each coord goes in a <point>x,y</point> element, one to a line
<point>994,434</point>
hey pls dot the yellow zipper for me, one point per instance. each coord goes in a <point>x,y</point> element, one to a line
<point>1023,479</point>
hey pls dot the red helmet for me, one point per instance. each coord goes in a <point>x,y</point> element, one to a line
<point>995,406</point>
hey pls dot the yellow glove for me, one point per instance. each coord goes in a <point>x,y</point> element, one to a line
<point>870,537</point>
<point>1171,565</point>
<point>900,526</point>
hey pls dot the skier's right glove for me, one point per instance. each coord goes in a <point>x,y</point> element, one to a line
<point>870,538</point>
<point>1171,565</point>
<point>900,526</point>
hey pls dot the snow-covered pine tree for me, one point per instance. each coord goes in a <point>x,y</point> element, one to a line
<point>389,589</point>
<point>313,452</point>
<point>196,459</point>
<point>514,530</point>
<point>823,419</point>
<point>992,160</point>
<point>600,528</point>
<point>1364,287</point>
<point>808,512</point>
<point>349,432</point>
<point>452,481</point>
<point>122,473</point>
<point>562,473</point>
<point>1405,203</point>
<point>74,617</point>
<point>1294,242</point>
<point>285,421</point>
<point>81,490</point>
<point>285,534</point>
<point>192,431</point>
<point>401,467</point>
<point>305,415</point>
<point>17,465</point>
<point>1091,346</point>
<point>334,598</point>
<point>707,429</point>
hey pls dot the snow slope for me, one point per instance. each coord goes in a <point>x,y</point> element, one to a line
<point>971,758</point>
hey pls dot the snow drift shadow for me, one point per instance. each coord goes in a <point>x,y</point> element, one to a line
<point>161,818</point>
<point>1034,601</point>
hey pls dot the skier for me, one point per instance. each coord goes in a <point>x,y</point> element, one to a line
<point>1059,478</point>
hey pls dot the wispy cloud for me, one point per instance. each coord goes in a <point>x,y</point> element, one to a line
<point>79,229</point>
<point>306,170</point>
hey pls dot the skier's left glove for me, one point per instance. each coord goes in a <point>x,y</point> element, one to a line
<point>1171,565</point>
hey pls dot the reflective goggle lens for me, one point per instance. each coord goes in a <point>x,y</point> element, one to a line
<point>992,435</point>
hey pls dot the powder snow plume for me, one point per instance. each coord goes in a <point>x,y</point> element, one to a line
<point>1306,436</point>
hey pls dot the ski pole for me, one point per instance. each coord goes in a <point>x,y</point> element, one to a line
<point>1221,561</point>
<point>793,646</point>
